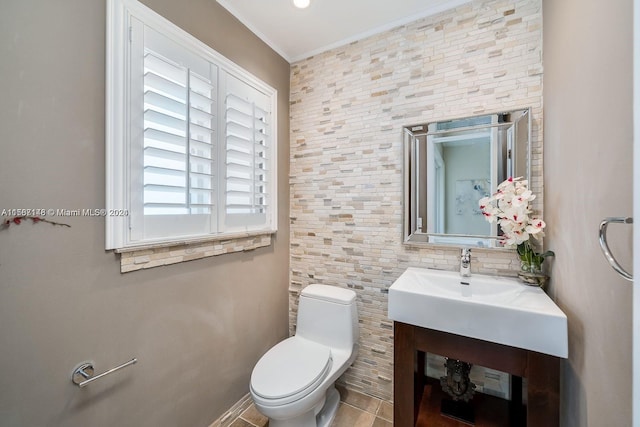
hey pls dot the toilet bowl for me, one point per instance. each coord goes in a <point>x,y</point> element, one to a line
<point>293,384</point>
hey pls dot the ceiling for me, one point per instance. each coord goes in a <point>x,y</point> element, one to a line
<point>299,33</point>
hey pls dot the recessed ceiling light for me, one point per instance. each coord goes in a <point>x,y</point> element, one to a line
<point>301,3</point>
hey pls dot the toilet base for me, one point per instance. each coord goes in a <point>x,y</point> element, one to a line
<point>330,408</point>
<point>323,418</point>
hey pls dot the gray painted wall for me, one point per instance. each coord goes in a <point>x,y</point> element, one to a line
<point>197,328</point>
<point>588,176</point>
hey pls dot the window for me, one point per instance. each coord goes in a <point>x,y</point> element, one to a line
<point>191,137</point>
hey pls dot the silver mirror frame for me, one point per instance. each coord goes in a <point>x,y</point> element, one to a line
<point>451,240</point>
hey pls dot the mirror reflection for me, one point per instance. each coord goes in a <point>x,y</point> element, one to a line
<point>450,165</point>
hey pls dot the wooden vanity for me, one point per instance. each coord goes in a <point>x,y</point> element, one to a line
<point>541,370</point>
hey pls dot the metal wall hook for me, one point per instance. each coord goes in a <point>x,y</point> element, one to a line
<point>605,247</point>
<point>83,373</point>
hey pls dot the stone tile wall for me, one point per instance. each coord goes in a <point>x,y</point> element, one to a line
<point>171,253</point>
<point>348,107</point>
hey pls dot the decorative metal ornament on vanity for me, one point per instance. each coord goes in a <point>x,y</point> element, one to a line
<point>458,385</point>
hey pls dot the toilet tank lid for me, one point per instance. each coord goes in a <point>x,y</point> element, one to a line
<point>329,293</point>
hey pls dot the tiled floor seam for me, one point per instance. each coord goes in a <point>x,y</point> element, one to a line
<point>359,409</point>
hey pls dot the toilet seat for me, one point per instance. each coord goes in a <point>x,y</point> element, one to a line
<point>290,370</point>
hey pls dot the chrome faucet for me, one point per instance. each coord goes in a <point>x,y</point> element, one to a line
<point>465,262</point>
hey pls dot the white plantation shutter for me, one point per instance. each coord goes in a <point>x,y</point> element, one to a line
<point>247,155</point>
<point>178,139</point>
<point>165,137</point>
<point>202,145</point>
<point>190,136</point>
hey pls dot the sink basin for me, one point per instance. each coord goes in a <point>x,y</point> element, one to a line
<point>497,309</point>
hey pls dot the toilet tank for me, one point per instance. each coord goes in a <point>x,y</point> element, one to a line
<point>328,315</point>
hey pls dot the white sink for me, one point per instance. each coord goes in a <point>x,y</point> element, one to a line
<point>496,309</point>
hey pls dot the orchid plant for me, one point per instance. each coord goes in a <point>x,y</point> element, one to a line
<point>509,206</point>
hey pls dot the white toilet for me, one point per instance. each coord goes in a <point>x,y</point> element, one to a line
<point>293,383</point>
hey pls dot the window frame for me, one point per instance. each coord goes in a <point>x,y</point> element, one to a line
<point>119,125</point>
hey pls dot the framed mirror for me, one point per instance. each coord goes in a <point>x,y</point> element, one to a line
<point>450,165</point>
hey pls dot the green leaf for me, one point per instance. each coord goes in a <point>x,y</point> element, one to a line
<point>547,253</point>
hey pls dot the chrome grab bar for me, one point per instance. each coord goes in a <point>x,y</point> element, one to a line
<point>605,247</point>
<point>83,373</point>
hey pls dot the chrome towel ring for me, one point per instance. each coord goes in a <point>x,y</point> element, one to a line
<point>605,247</point>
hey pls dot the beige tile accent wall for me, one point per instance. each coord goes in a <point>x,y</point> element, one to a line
<point>348,107</point>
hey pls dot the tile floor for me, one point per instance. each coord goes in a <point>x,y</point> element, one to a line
<point>355,410</point>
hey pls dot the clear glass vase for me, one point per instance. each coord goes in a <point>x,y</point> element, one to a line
<point>530,261</point>
<point>527,266</point>
<point>531,266</point>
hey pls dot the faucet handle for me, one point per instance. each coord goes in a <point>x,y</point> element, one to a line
<point>465,262</point>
